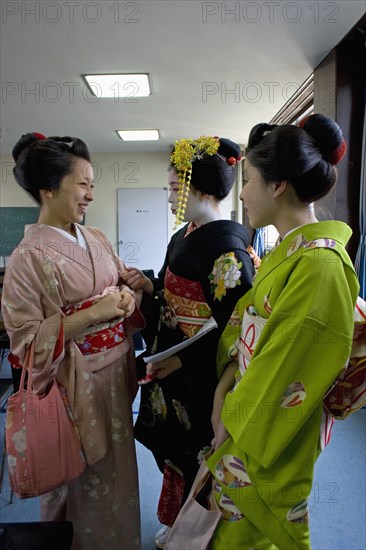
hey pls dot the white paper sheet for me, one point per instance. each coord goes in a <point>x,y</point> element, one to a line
<point>209,325</point>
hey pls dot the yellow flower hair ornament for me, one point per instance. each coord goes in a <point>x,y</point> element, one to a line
<point>185,152</point>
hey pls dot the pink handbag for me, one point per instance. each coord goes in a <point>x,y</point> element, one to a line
<point>198,517</point>
<point>43,448</point>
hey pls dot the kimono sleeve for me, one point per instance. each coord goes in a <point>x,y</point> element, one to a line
<point>222,300</point>
<point>158,281</point>
<point>230,335</point>
<point>31,311</point>
<point>136,321</point>
<point>302,349</point>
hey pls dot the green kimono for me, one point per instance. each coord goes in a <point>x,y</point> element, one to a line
<point>297,334</point>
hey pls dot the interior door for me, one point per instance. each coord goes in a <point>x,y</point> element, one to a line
<point>143,227</point>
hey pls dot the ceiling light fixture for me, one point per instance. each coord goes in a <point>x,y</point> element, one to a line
<point>118,85</point>
<point>138,135</point>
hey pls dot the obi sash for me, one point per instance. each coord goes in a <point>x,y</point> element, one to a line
<point>94,339</point>
<point>100,336</point>
<point>186,298</point>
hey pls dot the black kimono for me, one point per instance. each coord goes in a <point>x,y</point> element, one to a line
<point>204,274</point>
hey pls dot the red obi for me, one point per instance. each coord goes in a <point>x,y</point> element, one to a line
<point>100,336</point>
<point>187,299</point>
<point>96,338</point>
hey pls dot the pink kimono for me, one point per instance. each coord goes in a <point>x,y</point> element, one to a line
<point>46,276</point>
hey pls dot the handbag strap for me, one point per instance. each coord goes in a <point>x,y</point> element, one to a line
<point>27,365</point>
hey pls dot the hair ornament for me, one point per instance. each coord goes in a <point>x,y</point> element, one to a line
<point>339,153</point>
<point>232,160</point>
<point>333,156</point>
<point>303,121</point>
<point>39,136</point>
<point>185,152</point>
<point>67,143</point>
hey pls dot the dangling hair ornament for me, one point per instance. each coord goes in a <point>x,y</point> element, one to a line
<point>233,160</point>
<point>185,152</point>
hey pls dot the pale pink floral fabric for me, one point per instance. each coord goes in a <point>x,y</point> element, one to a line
<point>46,273</point>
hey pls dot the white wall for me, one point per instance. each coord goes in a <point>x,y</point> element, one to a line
<point>111,171</point>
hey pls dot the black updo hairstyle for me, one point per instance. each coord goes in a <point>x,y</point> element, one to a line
<point>304,156</point>
<point>215,175</point>
<point>41,163</point>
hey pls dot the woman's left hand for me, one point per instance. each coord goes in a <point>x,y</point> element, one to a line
<point>165,367</point>
<point>221,435</point>
<point>127,303</point>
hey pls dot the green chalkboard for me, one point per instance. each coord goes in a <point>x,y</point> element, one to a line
<point>12,222</point>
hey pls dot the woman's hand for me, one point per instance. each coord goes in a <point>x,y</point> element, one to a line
<point>218,403</point>
<point>221,435</point>
<point>225,384</point>
<point>116,304</point>
<point>111,306</point>
<point>135,279</point>
<point>127,303</point>
<point>162,369</point>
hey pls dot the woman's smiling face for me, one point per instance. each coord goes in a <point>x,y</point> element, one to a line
<point>70,201</point>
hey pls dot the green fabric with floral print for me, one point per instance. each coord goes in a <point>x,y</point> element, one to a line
<point>275,415</point>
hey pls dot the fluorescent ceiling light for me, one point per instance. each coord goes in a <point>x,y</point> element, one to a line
<point>118,85</point>
<point>138,135</point>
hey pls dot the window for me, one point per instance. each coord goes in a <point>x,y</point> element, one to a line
<point>298,106</point>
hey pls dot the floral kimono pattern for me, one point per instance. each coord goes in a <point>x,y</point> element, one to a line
<point>49,276</point>
<point>297,326</point>
<point>204,274</point>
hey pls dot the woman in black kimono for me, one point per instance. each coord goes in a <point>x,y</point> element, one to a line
<point>206,270</point>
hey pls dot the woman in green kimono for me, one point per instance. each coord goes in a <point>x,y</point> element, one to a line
<point>206,270</point>
<point>296,336</point>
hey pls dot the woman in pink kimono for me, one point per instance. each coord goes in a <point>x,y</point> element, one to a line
<point>62,289</point>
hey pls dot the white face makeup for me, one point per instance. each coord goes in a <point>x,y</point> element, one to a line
<point>195,206</point>
<point>173,190</point>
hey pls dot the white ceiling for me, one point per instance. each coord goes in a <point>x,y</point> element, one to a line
<point>195,52</point>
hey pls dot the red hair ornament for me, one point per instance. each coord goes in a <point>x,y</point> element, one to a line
<point>338,153</point>
<point>39,136</point>
<point>303,121</point>
<point>232,160</point>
